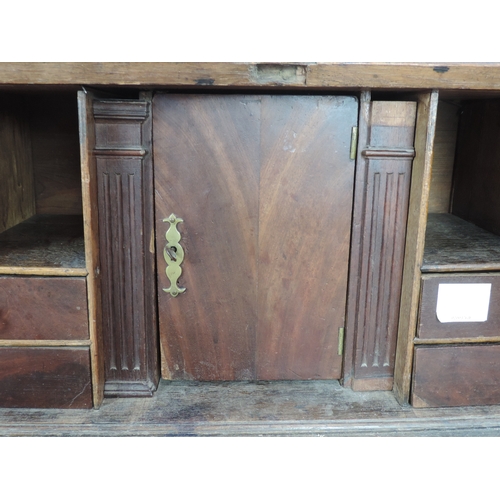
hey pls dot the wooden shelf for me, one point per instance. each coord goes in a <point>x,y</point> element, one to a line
<point>44,245</point>
<point>454,245</point>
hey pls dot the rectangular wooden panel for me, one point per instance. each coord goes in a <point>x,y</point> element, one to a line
<point>17,191</point>
<point>429,327</point>
<point>124,190</point>
<point>42,377</point>
<point>456,376</point>
<point>43,308</point>
<point>305,206</point>
<point>384,166</point>
<point>207,157</point>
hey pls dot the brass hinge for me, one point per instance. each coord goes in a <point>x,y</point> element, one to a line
<point>341,341</point>
<point>354,143</point>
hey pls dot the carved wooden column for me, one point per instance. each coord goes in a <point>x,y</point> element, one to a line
<point>379,228</point>
<point>125,196</point>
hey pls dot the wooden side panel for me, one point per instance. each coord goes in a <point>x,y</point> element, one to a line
<point>43,308</point>
<point>91,236</point>
<point>17,193</point>
<point>306,190</point>
<point>414,247</point>
<point>429,327</point>
<point>384,165</point>
<point>444,157</point>
<point>124,178</point>
<point>44,377</point>
<point>456,376</point>
<point>56,153</point>
<point>207,172</point>
<point>477,176</point>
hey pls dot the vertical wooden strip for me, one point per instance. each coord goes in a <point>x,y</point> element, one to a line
<point>91,234</point>
<point>414,248</point>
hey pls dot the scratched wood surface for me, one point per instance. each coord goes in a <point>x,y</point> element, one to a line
<point>306,190</point>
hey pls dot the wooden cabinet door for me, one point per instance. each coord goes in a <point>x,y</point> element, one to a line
<point>264,186</point>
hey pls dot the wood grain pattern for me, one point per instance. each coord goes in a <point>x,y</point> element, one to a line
<point>444,157</point>
<point>207,172</point>
<point>53,121</point>
<point>125,186</point>
<point>458,76</point>
<point>379,227</point>
<point>306,190</point>
<point>17,194</point>
<point>414,247</point>
<point>454,245</point>
<point>477,177</point>
<point>456,376</point>
<point>91,238</point>
<point>43,308</point>
<point>429,327</point>
<point>45,378</point>
<point>48,242</point>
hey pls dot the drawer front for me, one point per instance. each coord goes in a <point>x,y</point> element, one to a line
<point>41,377</point>
<point>466,375</point>
<point>429,327</point>
<point>43,308</point>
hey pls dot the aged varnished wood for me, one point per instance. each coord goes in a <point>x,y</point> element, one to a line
<point>379,228</point>
<point>460,375</point>
<point>455,245</point>
<point>477,177</point>
<point>305,205</point>
<point>298,408</point>
<point>415,241</point>
<point>44,377</point>
<point>124,178</point>
<point>207,166</point>
<point>264,186</point>
<point>44,244</point>
<point>43,308</point>
<point>429,327</point>
<point>459,76</point>
<point>17,192</point>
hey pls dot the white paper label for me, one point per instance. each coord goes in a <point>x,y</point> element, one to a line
<point>462,303</point>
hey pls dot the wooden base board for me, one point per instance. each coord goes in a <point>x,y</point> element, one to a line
<point>310,408</point>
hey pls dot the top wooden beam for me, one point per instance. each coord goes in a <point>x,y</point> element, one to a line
<point>473,76</point>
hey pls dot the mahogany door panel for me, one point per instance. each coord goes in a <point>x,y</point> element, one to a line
<point>263,185</point>
<point>206,151</point>
<point>306,189</point>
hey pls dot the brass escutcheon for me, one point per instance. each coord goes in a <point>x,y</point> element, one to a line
<point>173,253</point>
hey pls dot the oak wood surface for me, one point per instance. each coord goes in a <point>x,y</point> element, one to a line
<point>53,243</point>
<point>91,239</point>
<point>17,194</point>
<point>454,245</point>
<point>305,206</point>
<point>444,157</point>
<point>456,376</point>
<point>44,377</point>
<point>429,327</point>
<point>458,76</point>
<point>415,240</point>
<point>207,166</point>
<point>43,308</point>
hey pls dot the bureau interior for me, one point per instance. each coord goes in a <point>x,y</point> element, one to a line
<point>40,180</point>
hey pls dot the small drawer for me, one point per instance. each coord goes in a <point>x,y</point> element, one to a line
<point>456,375</point>
<point>429,326</point>
<point>43,308</point>
<point>42,377</point>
